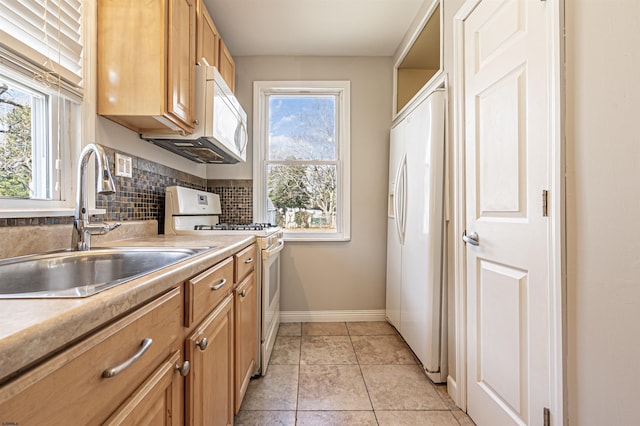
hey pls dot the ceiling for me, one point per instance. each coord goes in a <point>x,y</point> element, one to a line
<point>313,27</point>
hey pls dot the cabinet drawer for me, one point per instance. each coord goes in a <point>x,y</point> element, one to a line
<point>206,290</point>
<point>245,262</point>
<point>70,388</point>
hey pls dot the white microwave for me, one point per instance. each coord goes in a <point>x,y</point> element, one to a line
<point>220,134</point>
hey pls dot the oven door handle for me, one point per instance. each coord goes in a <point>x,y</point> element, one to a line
<point>273,250</point>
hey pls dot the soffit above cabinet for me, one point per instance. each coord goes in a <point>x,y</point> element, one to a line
<point>315,28</point>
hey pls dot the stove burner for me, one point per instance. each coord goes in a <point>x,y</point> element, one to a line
<point>234,227</point>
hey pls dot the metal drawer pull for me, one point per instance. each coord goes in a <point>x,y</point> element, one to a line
<point>219,286</point>
<point>202,344</point>
<point>183,369</point>
<point>243,293</point>
<point>110,372</point>
<point>249,260</point>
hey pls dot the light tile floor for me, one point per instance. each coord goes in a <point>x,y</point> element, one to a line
<point>354,373</point>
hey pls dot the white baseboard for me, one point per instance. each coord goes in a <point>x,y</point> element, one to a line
<point>332,316</point>
<point>452,389</point>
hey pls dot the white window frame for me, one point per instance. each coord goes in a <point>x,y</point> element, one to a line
<point>262,90</point>
<point>19,61</point>
<point>59,203</point>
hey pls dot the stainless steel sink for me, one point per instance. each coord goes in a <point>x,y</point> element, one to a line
<point>70,274</point>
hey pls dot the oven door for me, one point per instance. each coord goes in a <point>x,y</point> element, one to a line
<point>270,300</point>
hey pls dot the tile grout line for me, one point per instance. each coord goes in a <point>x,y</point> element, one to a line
<point>351,333</point>
<point>375,416</point>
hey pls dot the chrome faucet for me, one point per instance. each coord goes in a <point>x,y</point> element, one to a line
<point>82,228</point>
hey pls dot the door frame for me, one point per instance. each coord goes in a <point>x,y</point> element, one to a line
<point>556,209</point>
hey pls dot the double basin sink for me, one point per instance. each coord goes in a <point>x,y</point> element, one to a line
<point>72,274</point>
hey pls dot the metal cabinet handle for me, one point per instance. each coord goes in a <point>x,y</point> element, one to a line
<point>249,260</point>
<point>110,372</point>
<point>202,344</point>
<point>183,369</point>
<point>219,286</point>
<point>243,293</point>
<point>472,238</point>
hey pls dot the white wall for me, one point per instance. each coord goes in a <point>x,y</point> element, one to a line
<point>345,275</point>
<point>603,206</point>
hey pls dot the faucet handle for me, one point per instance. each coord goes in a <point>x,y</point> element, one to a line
<point>112,227</point>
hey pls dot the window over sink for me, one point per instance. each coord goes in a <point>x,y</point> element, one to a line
<point>41,88</point>
<point>301,153</point>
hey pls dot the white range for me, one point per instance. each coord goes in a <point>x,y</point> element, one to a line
<point>193,212</point>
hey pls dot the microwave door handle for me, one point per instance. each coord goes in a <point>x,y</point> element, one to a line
<point>245,139</point>
<point>241,131</point>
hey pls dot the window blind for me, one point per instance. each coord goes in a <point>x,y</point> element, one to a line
<point>44,37</point>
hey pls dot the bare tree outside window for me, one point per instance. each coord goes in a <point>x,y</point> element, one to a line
<point>16,159</point>
<point>302,174</point>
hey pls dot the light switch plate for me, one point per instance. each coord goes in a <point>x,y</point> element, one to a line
<point>123,166</point>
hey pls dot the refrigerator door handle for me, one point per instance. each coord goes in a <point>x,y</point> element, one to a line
<point>396,201</point>
<point>405,196</point>
<point>400,198</point>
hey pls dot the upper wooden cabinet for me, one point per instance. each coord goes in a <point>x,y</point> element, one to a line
<point>207,43</point>
<point>211,50</point>
<point>227,66</point>
<point>146,60</point>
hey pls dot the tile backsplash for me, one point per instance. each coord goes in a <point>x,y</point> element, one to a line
<point>142,196</point>
<point>236,199</point>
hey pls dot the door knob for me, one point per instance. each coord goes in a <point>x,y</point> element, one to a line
<point>472,238</point>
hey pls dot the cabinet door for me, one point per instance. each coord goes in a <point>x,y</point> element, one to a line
<point>227,66</point>
<point>246,307</point>
<point>131,59</point>
<point>208,38</point>
<point>210,382</point>
<point>157,402</point>
<point>181,60</point>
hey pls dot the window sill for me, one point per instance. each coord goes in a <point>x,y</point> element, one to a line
<point>314,238</point>
<point>41,212</point>
<point>50,212</point>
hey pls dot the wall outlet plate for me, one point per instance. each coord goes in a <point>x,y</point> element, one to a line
<point>123,166</point>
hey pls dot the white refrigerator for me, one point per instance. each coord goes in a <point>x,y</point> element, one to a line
<point>415,233</point>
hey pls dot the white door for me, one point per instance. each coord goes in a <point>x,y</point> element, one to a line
<point>507,168</point>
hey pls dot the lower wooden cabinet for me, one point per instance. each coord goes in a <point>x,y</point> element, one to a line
<point>158,401</point>
<point>86,383</point>
<point>246,334</point>
<point>209,384</point>
<point>134,370</point>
